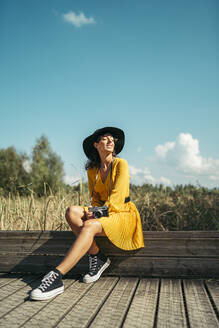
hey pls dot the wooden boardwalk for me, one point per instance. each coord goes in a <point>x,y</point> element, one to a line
<point>112,301</point>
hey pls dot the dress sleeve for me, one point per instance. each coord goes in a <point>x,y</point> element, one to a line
<point>90,182</point>
<point>120,186</point>
<point>91,174</point>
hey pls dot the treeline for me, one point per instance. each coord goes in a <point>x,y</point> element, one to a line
<point>22,174</point>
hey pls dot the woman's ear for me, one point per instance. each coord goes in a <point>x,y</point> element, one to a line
<point>95,145</point>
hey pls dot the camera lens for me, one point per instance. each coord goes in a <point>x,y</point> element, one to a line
<point>98,214</point>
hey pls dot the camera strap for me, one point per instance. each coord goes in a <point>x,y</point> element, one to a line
<point>111,169</point>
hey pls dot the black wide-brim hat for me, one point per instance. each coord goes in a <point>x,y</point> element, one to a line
<point>88,143</point>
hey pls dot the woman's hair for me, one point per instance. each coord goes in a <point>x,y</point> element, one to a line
<point>95,158</point>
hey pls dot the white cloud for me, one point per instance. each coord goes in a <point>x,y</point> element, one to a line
<point>184,155</point>
<point>71,180</point>
<point>165,181</point>
<point>140,176</point>
<point>162,150</point>
<point>134,170</point>
<point>77,20</point>
<point>213,178</point>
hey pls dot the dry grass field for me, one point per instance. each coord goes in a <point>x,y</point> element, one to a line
<point>184,208</point>
<point>34,213</point>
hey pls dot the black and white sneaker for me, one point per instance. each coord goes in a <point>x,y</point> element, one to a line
<point>97,264</point>
<point>51,285</point>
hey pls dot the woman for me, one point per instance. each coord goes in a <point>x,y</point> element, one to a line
<point>108,180</point>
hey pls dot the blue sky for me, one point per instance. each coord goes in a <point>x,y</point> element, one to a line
<point>148,67</point>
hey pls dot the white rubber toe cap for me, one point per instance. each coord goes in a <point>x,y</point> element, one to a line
<point>38,295</point>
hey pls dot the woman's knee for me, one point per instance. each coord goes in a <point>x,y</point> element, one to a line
<point>92,226</point>
<point>74,213</point>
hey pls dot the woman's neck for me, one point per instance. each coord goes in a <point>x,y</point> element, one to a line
<point>106,161</point>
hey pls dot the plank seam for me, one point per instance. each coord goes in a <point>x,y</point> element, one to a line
<point>11,280</point>
<point>46,304</point>
<point>128,307</point>
<point>14,292</point>
<point>101,305</point>
<point>24,300</point>
<point>211,300</point>
<point>185,305</point>
<point>69,310</point>
<point>157,305</point>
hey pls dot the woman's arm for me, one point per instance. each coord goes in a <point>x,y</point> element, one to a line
<point>91,174</point>
<point>120,186</point>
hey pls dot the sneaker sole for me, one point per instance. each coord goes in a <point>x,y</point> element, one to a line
<point>95,278</point>
<point>47,295</point>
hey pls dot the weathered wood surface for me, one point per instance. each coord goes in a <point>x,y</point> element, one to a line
<point>213,290</point>
<point>199,307</point>
<point>168,243</point>
<point>171,304</point>
<point>166,254</point>
<point>128,302</point>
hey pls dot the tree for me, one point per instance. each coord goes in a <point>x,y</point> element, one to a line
<point>47,168</point>
<point>13,176</point>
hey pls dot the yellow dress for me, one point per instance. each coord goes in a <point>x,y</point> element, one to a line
<point>123,226</point>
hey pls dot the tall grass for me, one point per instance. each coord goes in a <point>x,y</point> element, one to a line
<point>34,213</point>
<point>182,208</point>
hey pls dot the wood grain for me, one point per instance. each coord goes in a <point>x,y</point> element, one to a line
<point>171,312</point>
<point>200,311</point>
<point>143,307</point>
<point>167,254</point>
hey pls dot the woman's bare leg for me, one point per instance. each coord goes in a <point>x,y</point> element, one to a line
<point>74,215</point>
<point>82,244</point>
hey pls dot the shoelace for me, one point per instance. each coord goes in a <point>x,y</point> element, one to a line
<point>92,263</point>
<point>48,280</point>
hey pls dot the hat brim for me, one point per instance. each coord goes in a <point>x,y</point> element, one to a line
<point>88,143</point>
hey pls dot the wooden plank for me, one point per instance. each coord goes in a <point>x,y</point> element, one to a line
<point>181,234</point>
<point>164,267</point>
<point>25,313</point>
<point>51,234</point>
<point>167,254</point>
<point>85,310</point>
<point>15,285</point>
<point>106,302</point>
<point>171,312</point>
<point>213,288</point>
<point>126,266</point>
<point>114,309</point>
<point>180,248</point>
<point>55,310</point>
<point>19,294</point>
<point>39,243</point>
<point>165,244</point>
<point>38,264</point>
<point>143,307</point>
<point>200,311</point>
<point>8,278</point>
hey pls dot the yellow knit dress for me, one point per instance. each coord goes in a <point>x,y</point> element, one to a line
<point>123,226</point>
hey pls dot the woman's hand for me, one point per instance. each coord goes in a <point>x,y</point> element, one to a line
<point>89,215</point>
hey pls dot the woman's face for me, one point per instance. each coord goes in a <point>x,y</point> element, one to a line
<point>106,144</point>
